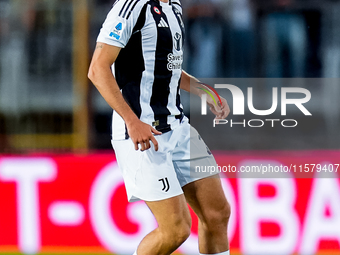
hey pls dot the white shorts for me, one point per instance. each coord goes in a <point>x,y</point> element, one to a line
<point>156,175</point>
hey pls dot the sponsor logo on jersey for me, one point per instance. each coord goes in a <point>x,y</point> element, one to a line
<point>174,62</point>
<point>162,23</point>
<point>178,41</point>
<point>116,33</point>
<point>156,10</point>
<point>119,26</point>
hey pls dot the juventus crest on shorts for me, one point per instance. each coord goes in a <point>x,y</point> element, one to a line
<point>149,66</point>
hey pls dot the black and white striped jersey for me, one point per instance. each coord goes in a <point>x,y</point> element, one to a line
<point>149,66</point>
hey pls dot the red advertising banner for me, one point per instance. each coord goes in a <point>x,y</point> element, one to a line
<point>78,203</point>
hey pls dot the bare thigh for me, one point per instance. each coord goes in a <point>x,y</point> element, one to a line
<point>170,211</point>
<point>206,197</point>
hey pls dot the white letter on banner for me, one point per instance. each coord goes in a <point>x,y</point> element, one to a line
<point>325,193</point>
<point>26,173</point>
<point>278,209</point>
<point>110,236</point>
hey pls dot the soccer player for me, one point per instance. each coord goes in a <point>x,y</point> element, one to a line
<point>137,68</point>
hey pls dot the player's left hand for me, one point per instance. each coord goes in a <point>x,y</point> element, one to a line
<point>220,111</point>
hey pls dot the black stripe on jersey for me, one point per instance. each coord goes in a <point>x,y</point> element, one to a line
<point>162,76</point>
<point>126,133</point>
<point>129,67</point>
<point>115,3</point>
<point>177,3</point>
<point>180,22</point>
<point>127,8</point>
<point>178,97</point>
<point>121,10</point>
<point>133,7</point>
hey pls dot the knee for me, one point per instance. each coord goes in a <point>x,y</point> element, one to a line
<point>183,232</point>
<point>225,213</point>
<point>179,232</point>
<point>217,219</point>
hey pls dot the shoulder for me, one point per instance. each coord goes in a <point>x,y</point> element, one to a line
<point>127,8</point>
<point>177,4</point>
<point>120,22</point>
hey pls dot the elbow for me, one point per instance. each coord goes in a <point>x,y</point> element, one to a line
<point>92,74</point>
<point>95,74</point>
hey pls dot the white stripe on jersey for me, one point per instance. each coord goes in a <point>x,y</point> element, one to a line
<point>177,4</point>
<point>149,61</point>
<point>118,127</point>
<point>175,28</point>
<point>118,124</point>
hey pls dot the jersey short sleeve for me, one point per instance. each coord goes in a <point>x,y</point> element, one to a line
<point>118,26</point>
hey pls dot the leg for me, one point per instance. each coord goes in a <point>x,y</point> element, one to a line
<point>208,201</point>
<point>174,225</point>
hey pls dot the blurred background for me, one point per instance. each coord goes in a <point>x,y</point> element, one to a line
<point>48,104</point>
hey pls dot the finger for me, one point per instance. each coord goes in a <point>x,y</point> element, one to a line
<point>155,143</point>
<point>147,144</point>
<point>215,112</point>
<point>225,104</point>
<point>156,132</point>
<point>225,114</point>
<point>217,108</point>
<point>136,146</point>
<point>226,111</point>
<point>142,145</point>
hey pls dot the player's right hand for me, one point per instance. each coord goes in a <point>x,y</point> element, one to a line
<point>141,134</point>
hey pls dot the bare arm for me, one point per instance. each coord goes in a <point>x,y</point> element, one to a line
<point>190,84</point>
<point>101,75</point>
